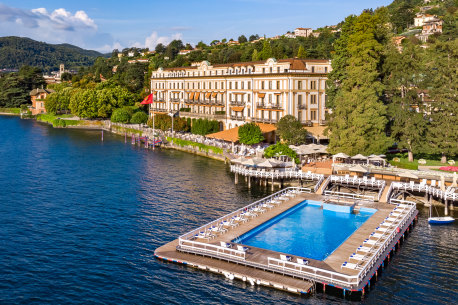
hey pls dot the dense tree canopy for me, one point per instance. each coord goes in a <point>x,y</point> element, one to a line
<point>15,87</point>
<point>250,133</point>
<point>290,130</point>
<point>358,122</point>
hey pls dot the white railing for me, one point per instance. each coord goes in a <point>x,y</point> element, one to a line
<point>381,190</point>
<point>213,249</point>
<point>317,185</point>
<point>401,222</point>
<point>314,273</point>
<point>275,174</point>
<point>448,194</point>
<point>358,181</point>
<point>353,196</point>
<point>238,212</point>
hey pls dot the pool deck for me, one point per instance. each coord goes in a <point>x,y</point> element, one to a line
<point>256,256</point>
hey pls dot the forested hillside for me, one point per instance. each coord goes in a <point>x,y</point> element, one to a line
<point>16,52</point>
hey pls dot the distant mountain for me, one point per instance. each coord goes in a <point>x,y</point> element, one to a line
<point>18,51</point>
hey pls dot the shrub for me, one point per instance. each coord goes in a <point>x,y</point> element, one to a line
<point>204,126</point>
<point>290,130</point>
<point>220,112</point>
<point>59,123</point>
<point>451,162</point>
<point>250,133</point>
<point>396,159</point>
<point>422,161</point>
<point>120,115</point>
<point>185,109</point>
<point>139,118</point>
<point>280,149</point>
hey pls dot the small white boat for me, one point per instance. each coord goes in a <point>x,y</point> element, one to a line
<point>441,220</point>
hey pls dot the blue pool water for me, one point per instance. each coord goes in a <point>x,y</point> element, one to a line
<point>306,230</point>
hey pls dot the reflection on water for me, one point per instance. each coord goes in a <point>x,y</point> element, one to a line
<point>80,220</point>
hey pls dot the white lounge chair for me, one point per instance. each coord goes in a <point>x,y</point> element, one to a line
<point>358,257</point>
<point>285,257</point>
<point>225,245</point>
<point>302,261</point>
<point>364,249</point>
<point>242,248</point>
<point>350,266</point>
<point>376,235</point>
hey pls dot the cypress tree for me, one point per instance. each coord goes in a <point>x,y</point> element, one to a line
<point>301,52</point>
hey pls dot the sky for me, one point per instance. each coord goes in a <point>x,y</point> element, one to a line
<point>104,25</point>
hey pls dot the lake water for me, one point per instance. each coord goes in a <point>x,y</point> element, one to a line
<point>80,219</point>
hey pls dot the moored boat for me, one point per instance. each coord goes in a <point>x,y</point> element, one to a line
<point>441,220</point>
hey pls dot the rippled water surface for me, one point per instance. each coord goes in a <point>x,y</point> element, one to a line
<point>80,219</point>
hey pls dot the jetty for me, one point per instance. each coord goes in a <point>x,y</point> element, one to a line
<point>350,270</point>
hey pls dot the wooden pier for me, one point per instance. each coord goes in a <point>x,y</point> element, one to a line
<point>264,267</point>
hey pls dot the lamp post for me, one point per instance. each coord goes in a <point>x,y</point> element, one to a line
<point>154,133</point>
<point>171,115</point>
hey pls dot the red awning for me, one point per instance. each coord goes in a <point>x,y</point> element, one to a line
<point>148,100</point>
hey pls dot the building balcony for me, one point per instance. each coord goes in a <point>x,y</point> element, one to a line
<point>237,118</point>
<point>302,106</point>
<point>159,110</point>
<point>235,103</point>
<point>269,106</point>
<point>264,120</point>
<point>202,115</point>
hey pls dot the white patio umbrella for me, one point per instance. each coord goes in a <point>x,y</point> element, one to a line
<point>269,163</point>
<point>359,157</point>
<point>238,160</point>
<point>358,168</point>
<point>252,162</point>
<point>341,156</point>
<point>407,175</point>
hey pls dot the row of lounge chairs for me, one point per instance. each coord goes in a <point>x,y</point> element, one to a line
<point>244,216</point>
<point>370,245</point>
<point>229,246</point>
<point>299,261</point>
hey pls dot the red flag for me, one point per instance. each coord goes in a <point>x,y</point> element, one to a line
<point>148,100</point>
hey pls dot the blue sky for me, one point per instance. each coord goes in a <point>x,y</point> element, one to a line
<point>103,25</point>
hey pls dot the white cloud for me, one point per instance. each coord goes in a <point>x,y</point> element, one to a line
<point>154,39</point>
<point>58,26</point>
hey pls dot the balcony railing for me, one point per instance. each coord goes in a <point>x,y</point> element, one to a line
<point>202,115</point>
<point>235,103</point>
<point>237,118</point>
<point>269,106</point>
<point>199,102</point>
<point>267,121</point>
<point>302,106</point>
<point>159,109</point>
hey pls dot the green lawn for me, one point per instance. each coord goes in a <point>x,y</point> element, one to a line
<point>431,160</point>
<point>11,110</point>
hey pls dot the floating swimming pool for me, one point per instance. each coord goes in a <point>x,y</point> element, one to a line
<point>306,230</point>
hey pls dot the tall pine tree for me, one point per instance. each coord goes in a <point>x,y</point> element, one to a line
<point>403,80</point>
<point>443,73</point>
<point>359,120</point>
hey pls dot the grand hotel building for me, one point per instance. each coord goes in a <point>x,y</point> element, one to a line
<point>262,91</point>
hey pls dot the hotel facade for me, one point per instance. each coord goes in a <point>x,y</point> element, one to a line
<point>236,93</point>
